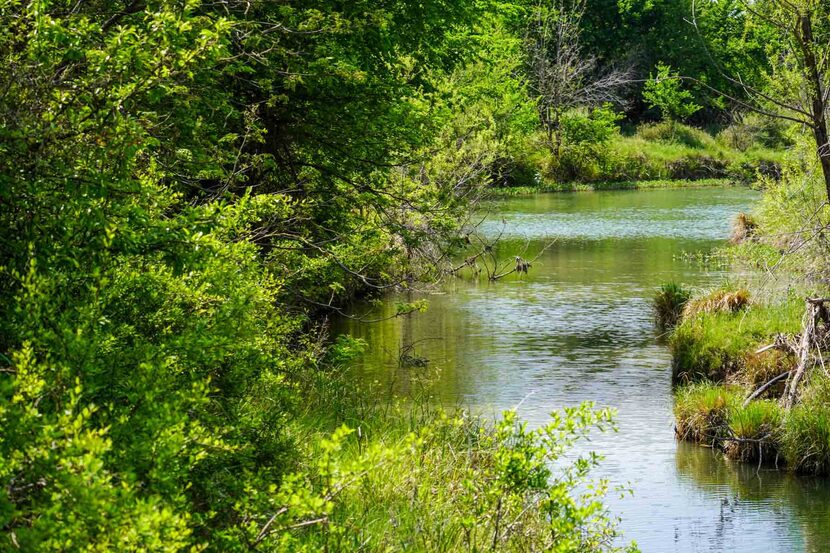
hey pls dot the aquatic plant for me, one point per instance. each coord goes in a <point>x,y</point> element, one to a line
<point>668,304</point>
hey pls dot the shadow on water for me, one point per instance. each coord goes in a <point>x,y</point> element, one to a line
<point>579,328</point>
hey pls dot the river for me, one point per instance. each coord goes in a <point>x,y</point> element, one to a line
<point>578,328</point>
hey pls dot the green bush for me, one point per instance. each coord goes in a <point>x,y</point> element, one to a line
<point>596,126</point>
<point>416,475</point>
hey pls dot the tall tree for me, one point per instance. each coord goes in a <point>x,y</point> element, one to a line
<point>562,75</point>
<point>802,61</point>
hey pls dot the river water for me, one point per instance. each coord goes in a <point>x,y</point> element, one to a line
<point>578,328</point>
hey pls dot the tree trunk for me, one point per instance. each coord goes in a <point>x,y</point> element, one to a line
<point>816,92</point>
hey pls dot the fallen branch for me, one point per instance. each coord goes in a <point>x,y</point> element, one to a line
<point>781,343</point>
<point>765,387</point>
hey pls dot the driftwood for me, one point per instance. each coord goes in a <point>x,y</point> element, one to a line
<point>814,333</point>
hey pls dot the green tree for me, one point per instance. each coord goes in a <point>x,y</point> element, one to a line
<point>665,92</point>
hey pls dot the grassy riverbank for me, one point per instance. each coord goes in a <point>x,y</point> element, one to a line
<point>733,360</point>
<point>717,365</point>
<point>607,185</point>
<point>662,155</point>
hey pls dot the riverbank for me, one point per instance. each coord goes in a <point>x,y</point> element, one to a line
<point>653,155</point>
<point>732,385</point>
<point>608,185</point>
<point>735,362</point>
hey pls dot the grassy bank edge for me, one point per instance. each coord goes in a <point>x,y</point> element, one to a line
<point>718,362</point>
<point>544,188</point>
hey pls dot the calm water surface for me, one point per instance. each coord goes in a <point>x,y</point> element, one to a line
<point>578,328</point>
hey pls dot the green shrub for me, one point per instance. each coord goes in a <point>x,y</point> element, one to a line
<point>435,481</point>
<point>665,91</point>
<point>596,126</point>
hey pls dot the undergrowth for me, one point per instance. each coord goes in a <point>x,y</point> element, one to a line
<point>403,474</point>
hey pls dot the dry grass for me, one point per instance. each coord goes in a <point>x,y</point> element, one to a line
<point>744,228</point>
<point>719,301</point>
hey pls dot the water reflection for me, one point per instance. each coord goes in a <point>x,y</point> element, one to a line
<point>760,510</point>
<point>577,328</point>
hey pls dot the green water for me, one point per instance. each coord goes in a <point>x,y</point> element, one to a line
<point>578,327</point>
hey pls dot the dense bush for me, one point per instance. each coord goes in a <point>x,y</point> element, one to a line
<point>182,187</point>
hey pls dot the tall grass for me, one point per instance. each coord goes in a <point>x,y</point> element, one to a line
<point>805,439</point>
<point>701,411</point>
<point>668,304</point>
<point>752,430</point>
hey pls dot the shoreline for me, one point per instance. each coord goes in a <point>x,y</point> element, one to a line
<point>601,186</point>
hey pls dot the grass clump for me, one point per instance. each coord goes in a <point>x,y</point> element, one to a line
<point>752,430</point>
<point>754,131</point>
<point>744,227</point>
<point>723,300</point>
<point>701,411</point>
<point>805,438</point>
<point>668,304</point>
